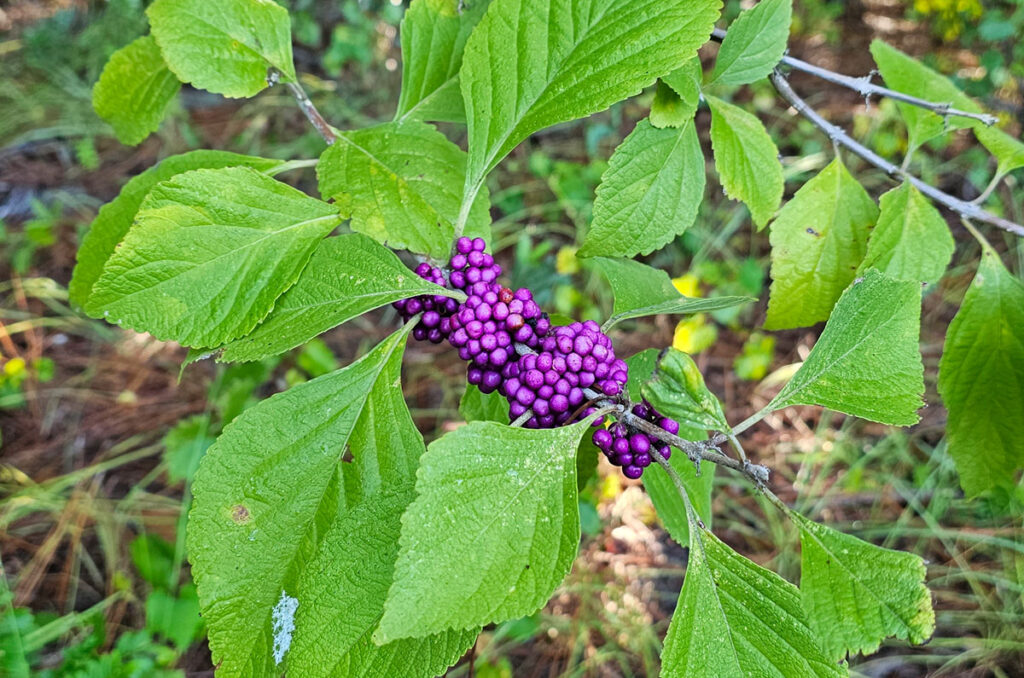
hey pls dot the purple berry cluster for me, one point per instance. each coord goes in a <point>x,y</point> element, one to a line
<point>631,449</point>
<point>547,374</point>
<point>435,325</point>
<point>551,382</point>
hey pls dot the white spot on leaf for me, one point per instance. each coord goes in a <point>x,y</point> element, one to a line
<point>283,621</point>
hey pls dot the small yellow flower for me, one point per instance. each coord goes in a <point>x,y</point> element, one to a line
<point>688,285</point>
<point>695,334</point>
<point>566,262</point>
<point>14,367</point>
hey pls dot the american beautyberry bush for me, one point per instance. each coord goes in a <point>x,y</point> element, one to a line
<point>391,563</point>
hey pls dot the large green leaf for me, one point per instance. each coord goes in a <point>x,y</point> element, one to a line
<point>134,90</point>
<point>210,252</point>
<point>530,64</point>
<point>347,276</point>
<point>258,493</point>
<point>746,159</point>
<point>640,290</point>
<point>402,185</point>
<point>754,44</point>
<point>494,529</point>
<point>857,594</point>
<point>818,241</point>
<point>341,598</point>
<point>735,619</point>
<point>981,379</point>
<point>434,33</point>
<point>227,46</point>
<point>650,192</point>
<point>1009,152</point>
<point>911,240</point>
<point>115,218</point>
<point>866,363</point>
<point>908,75</point>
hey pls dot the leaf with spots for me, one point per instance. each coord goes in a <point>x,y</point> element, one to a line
<point>493,530</point>
<point>402,185</point>
<point>866,362</point>
<point>347,276</point>
<point>818,241</point>
<point>264,494</point>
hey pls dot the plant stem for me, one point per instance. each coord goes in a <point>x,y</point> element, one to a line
<point>837,135</point>
<point>866,88</point>
<point>307,107</point>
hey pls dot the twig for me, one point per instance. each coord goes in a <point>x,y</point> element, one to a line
<point>838,135</point>
<point>307,107</point>
<point>866,88</point>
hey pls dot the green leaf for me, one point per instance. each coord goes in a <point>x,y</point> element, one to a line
<point>175,618</point>
<point>227,46</point>
<point>981,379</point>
<point>402,185</point>
<point>134,90</point>
<point>818,242</point>
<point>530,64</point>
<point>434,33</point>
<point>479,406</point>
<point>494,529</point>
<point>640,290</point>
<point>668,108</point>
<point>347,276</point>
<point>210,252</point>
<point>650,192</point>
<point>685,81</point>
<point>185,445</point>
<point>866,363</point>
<point>385,444</point>
<point>115,218</point>
<point>911,240</point>
<point>1009,152</point>
<point>258,493</point>
<point>754,44</point>
<point>677,390</point>
<point>746,159</point>
<point>735,619</point>
<point>905,74</point>
<point>857,594</point>
<point>341,598</point>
